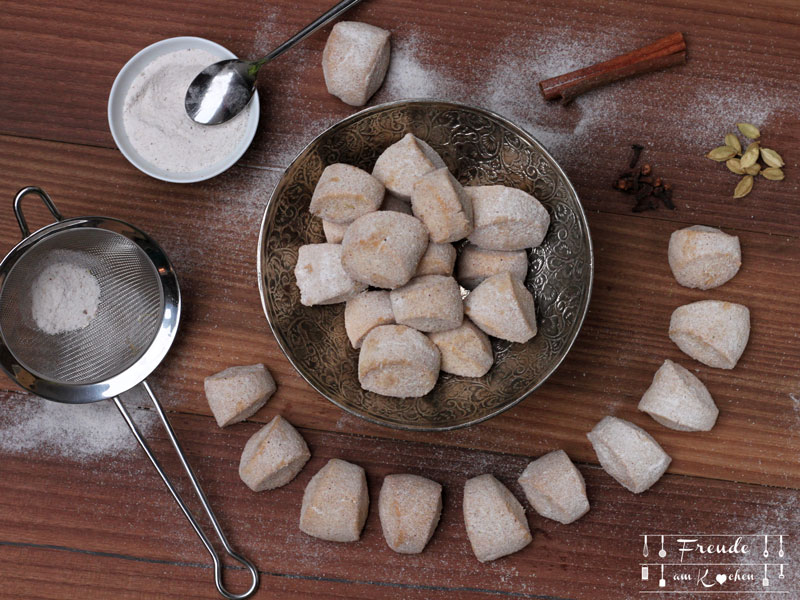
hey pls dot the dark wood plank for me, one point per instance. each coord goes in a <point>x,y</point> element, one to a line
<point>60,61</point>
<point>37,573</point>
<point>117,505</point>
<point>211,232</point>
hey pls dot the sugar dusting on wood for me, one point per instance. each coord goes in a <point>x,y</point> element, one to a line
<point>80,432</point>
<point>507,82</point>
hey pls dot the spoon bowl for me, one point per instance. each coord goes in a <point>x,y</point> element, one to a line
<point>222,90</point>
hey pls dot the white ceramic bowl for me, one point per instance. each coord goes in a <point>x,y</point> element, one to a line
<point>116,101</point>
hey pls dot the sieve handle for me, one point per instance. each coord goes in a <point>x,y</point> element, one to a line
<point>23,224</point>
<point>200,494</point>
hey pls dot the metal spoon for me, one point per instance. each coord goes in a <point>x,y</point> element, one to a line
<point>222,90</point>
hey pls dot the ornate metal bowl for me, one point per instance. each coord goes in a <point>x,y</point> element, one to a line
<point>479,147</point>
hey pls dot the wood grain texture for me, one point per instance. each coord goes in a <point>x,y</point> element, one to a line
<point>57,513</point>
<point>211,231</point>
<point>743,64</point>
<point>38,573</point>
<point>118,506</point>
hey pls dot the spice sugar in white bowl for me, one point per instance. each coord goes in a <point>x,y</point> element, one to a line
<point>230,140</point>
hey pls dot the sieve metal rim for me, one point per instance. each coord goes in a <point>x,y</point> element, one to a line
<point>137,372</point>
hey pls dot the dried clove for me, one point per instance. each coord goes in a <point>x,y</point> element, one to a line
<point>637,152</point>
<point>621,184</point>
<point>646,189</point>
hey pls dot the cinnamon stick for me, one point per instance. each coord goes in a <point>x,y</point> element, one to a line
<point>666,52</point>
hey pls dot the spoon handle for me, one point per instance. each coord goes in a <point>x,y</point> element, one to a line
<point>320,21</point>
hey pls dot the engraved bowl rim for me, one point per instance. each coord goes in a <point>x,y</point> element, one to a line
<point>517,130</point>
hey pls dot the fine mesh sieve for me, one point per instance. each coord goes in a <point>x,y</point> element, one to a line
<point>127,320</point>
<point>133,328</point>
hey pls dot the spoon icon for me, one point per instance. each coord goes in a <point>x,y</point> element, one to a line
<point>222,90</point>
<point>766,552</point>
<point>662,553</point>
<point>780,541</point>
<point>645,552</point>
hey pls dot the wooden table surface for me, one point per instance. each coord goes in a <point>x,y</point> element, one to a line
<point>82,518</point>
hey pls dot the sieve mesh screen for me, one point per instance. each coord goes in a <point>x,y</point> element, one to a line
<point>128,316</point>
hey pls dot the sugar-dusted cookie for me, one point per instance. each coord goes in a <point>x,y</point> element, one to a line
<point>336,502</point>
<point>403,163</point>
<point>320,276</point>
<point>238,392</point>
<point>439,201</point>
<point>398,361</point>
<point>502,307</point>
<point>703,257</point>
<point>355,60</point>
<point>428,303</point>
<point>555,488</point>
<point>364,312</point>
<point>466,350</point>
<point>344,193</point>
<point>383,248</point>
<point>409,507</point>
<point>711,331</point>
<point>495,520</point>
<point>273,456</point>
<point>628,453</point>
<point>506,218</point>
<point>679,400</point>
<point>476,264</point>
